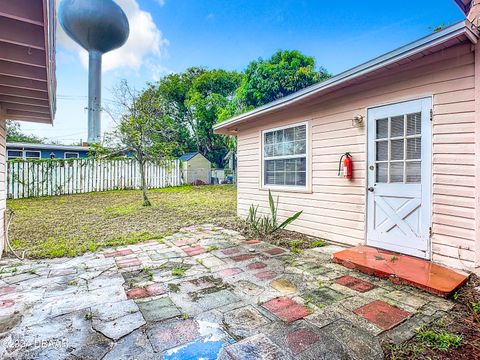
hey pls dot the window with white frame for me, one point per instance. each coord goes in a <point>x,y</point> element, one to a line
<point>23,154</point>
<point>72,155</point>
<point>285,156</point>
<point>14,154</point>
<point>32,154</point>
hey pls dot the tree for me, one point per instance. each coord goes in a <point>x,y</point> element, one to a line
<point>210,93</point>
<point>268,80</point>
<point>14,134</point>
<point>143,130</point>
<point>193,100</point>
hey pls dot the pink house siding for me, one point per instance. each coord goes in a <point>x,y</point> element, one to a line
<point>334,208</point>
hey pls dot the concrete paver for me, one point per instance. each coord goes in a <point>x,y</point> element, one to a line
<point>236,298</point>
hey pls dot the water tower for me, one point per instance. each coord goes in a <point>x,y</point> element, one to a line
<point>99,26</point>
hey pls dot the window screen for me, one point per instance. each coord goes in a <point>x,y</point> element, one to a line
<point>285,156</point>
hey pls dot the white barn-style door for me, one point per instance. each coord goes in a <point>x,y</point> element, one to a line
<point>399,177</point>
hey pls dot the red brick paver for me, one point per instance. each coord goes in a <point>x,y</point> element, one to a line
<point>242,257</point>
<point>231,251</point>
<point>229,272</point>
<point>6,303</point>
<point>286,309</point>
<point>256,266</point>
<point>125,263</point>
<point>275,251</point>
<point>383,315</point>
<point>266,275</point>
<point>118,253</point>
<point>300,340</point>
<point>355,283</point>
<point>6,290</point>
<point>181,243</point>
<point>252,242</point>
<point>137,293</point>
<point>155,289</point>
<point>195,250</point>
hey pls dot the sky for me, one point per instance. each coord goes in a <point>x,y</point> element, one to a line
<point>171,35</point>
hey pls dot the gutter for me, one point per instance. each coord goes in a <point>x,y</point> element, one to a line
<point>461,28</point>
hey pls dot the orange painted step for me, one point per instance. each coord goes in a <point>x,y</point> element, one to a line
<point>402,269</point>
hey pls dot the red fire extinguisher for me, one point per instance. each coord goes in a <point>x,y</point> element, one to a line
<point>347,163</point>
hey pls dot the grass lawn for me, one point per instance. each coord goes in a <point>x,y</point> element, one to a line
<point>71,225</point>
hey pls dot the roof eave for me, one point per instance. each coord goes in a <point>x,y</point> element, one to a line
<point>464,5</point>
<point>462,28</point>
<point>48,146</point>
<point>50,51</point>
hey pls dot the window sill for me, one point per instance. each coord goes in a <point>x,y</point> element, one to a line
<point>286,189</point>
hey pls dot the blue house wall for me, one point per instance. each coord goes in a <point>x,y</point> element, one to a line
<point>59,154</point>
<point>47,151</point>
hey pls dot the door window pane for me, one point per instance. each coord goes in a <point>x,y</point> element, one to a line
<point>398,142</point>
<point>414,172</point>
<point>396,150</point>
<point>414,124</point>
<point>414,148</point>
<point>382,150</point>
<point>396,172</point>
<point>382,128</point>
<point>396,126</point>
<point>382,172</point>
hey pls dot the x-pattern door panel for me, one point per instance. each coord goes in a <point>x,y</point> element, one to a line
<point>399,158</point>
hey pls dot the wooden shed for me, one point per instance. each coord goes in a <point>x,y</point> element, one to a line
<point>195,168</point>
<point>410,119</point>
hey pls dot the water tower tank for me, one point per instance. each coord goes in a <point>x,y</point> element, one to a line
<point>99,26</point>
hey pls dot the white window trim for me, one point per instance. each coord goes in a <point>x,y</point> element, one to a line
<point>71,153</point>
<point>287,188</point>
<point>13,150</point>
<point>32,151</point>
<point>24,154</point>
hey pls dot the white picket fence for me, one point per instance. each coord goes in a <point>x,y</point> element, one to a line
<point>74,176</point>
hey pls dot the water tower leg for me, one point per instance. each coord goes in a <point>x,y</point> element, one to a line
<point>94,96</point>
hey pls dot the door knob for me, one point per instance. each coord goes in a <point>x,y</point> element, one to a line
<point>371,189</point>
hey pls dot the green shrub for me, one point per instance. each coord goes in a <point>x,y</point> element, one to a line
<point>264,226</point>
<point>439,340</point>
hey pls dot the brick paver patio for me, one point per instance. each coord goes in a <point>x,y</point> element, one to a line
<point>204,292</point>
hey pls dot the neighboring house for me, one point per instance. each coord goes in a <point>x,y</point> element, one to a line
<point>195,168</point>
<point>27,67</point>
<point>45,151</point>
<point>410,120</point>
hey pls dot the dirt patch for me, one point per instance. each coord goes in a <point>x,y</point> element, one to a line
<point>295,242</point>
<point>439,340</point>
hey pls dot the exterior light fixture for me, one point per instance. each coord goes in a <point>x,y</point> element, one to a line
<point>357,121</point>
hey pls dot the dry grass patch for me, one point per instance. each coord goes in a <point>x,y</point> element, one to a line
<point>74,224</point>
